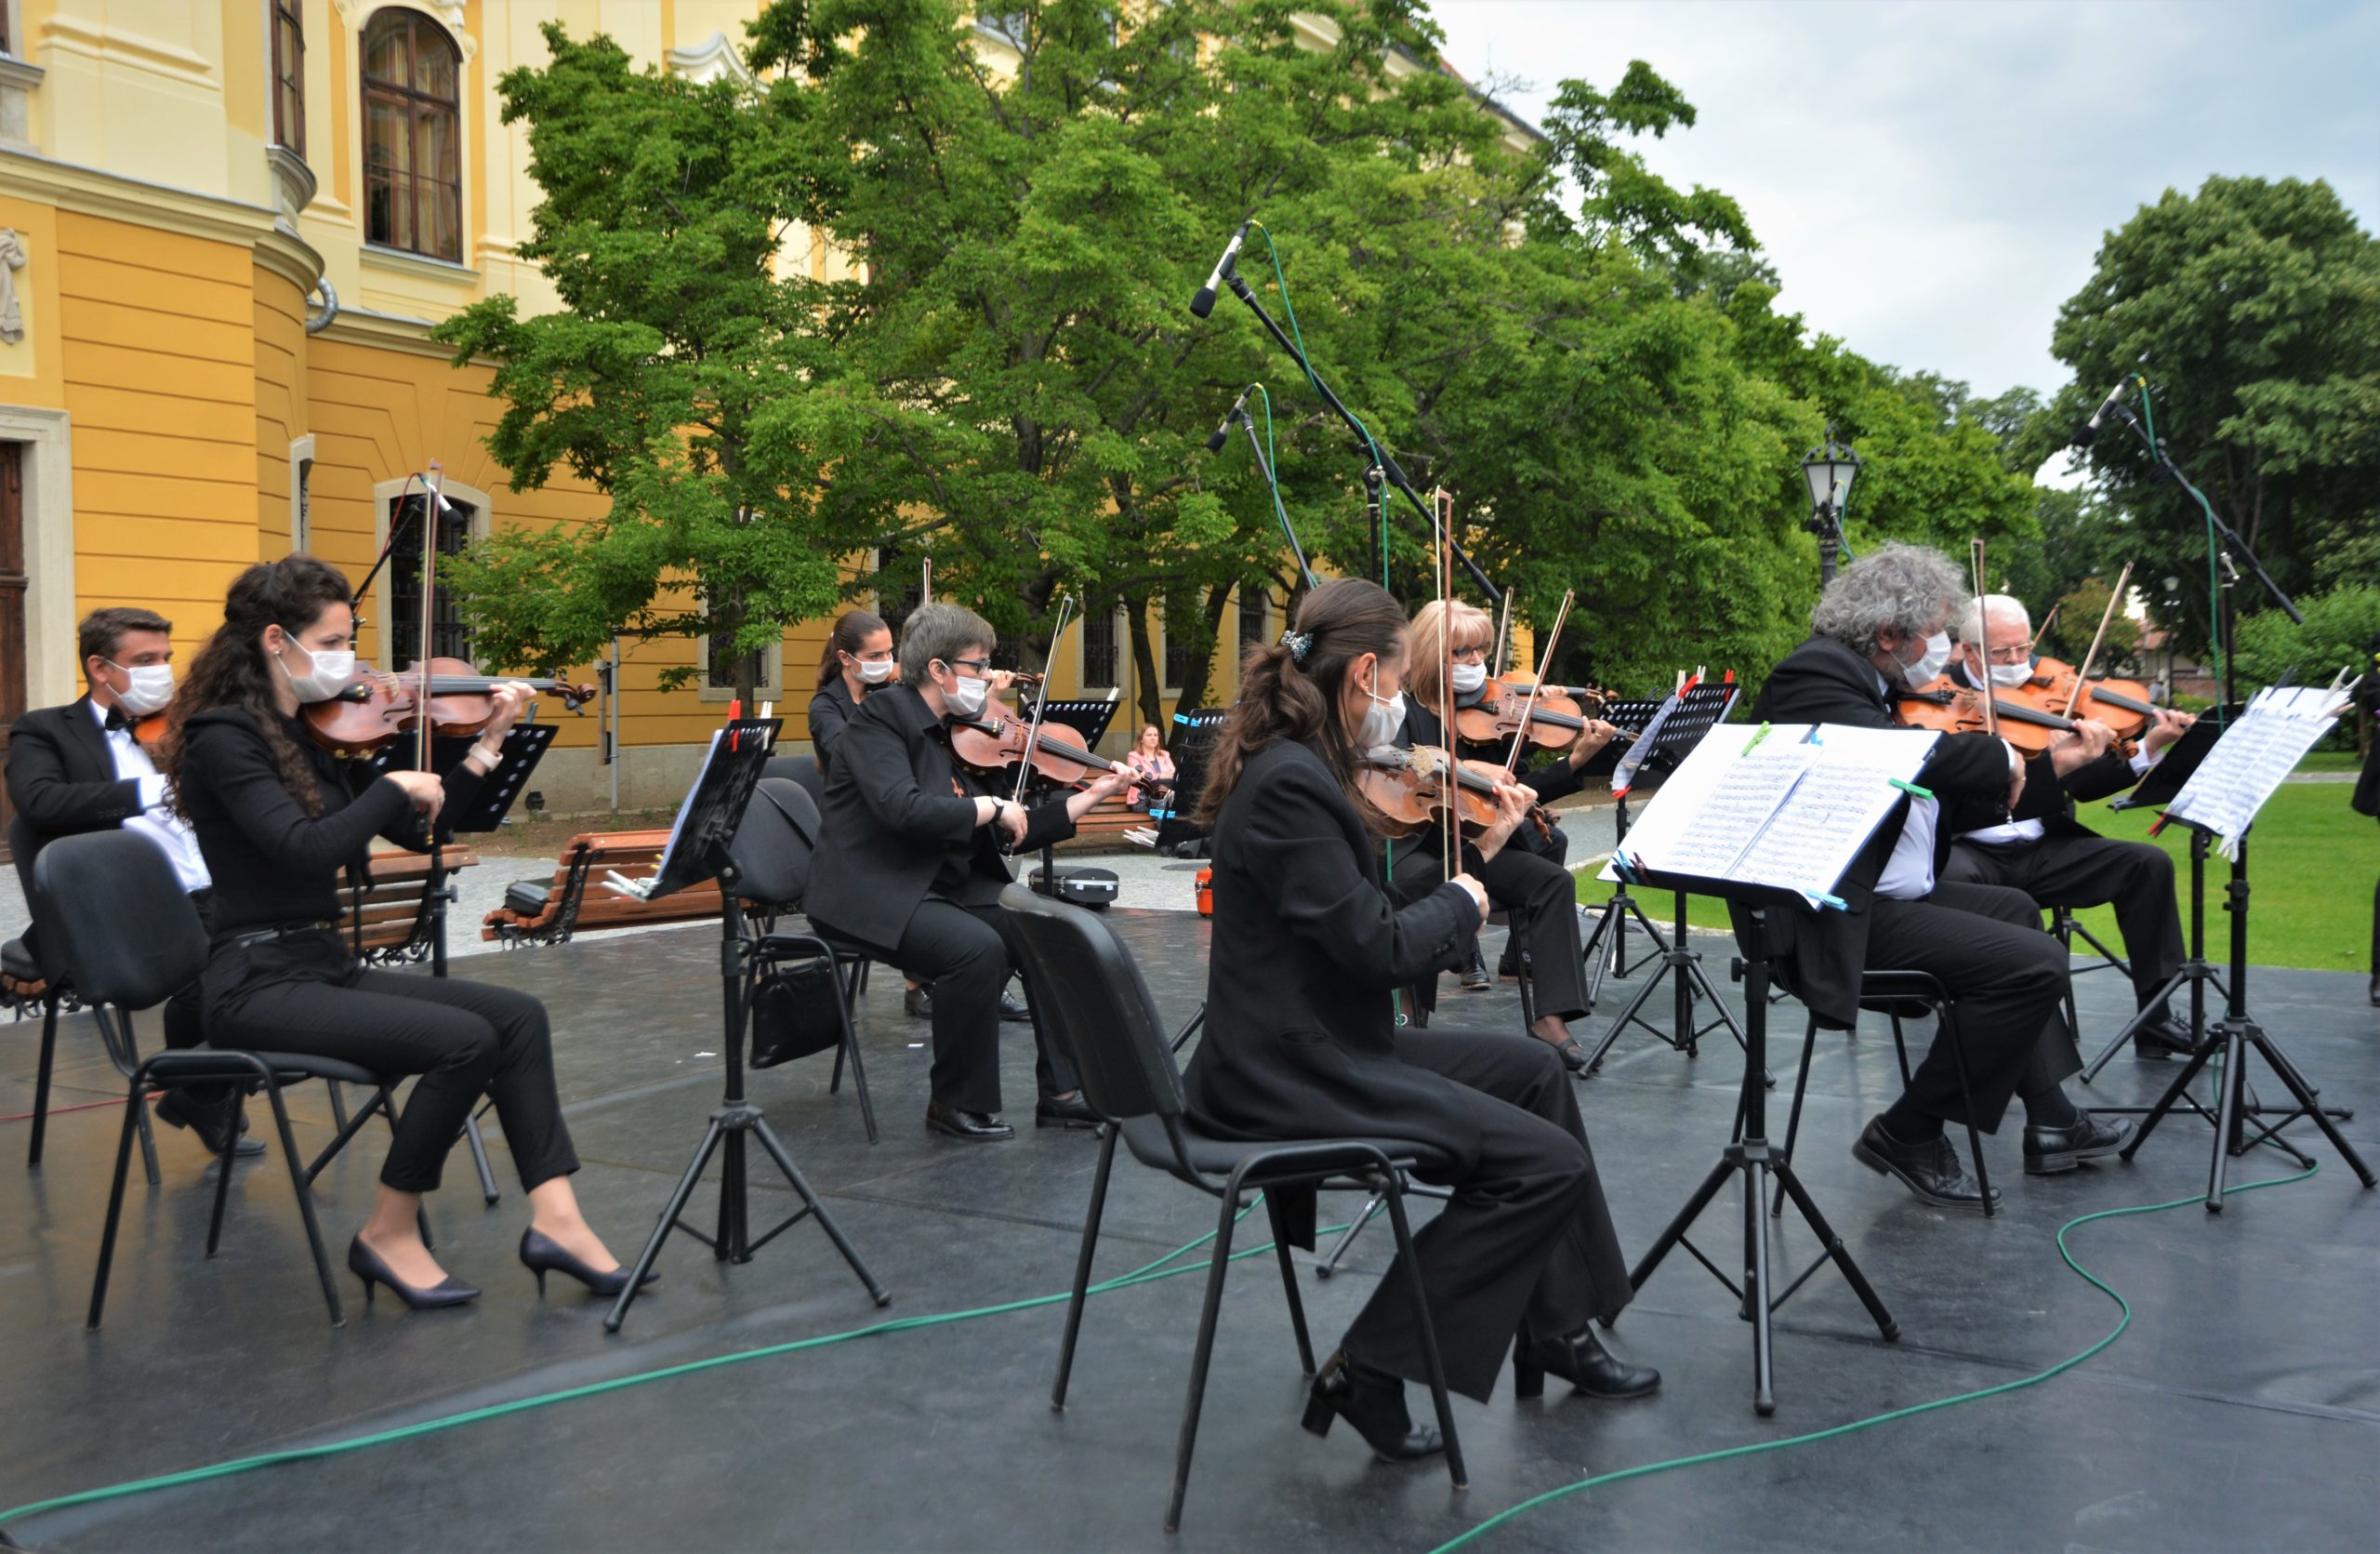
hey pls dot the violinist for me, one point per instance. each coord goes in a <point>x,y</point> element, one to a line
<point>1534,889</point>
<point>858,658</point>
<point>80,768</point>
<point>910,865</point>
<point>278,817</point>
<point>1882,626</point>
<point>1300,1042</point>
<point>2058,860</point>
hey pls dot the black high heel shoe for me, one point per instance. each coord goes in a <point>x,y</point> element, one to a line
<point>1374,1403</point>
<point>541,1255</point>
<point>1581,1360</point>
<point>1573,1056</point>
<point>370,1266</point>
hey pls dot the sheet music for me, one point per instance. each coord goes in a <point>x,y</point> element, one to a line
<point>2253,758</point>
<point>1837,805</point>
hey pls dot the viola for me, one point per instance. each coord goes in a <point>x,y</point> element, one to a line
<point>1554,717</point>
<point>993,741</point>
<point>1950,708</point>
<point>2122,705</point>
<point>1409,789</point>
<point>377,707</point>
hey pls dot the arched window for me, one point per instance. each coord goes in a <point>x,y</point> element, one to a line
<point>412,162</point>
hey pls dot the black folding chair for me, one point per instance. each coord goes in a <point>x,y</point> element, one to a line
<point>132,941</point>
<point>772,852</point>
<point>1899,995</point>
<point>1094,1002</point>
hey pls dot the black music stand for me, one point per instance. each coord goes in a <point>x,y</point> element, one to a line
<point>1194,740</point>
<point>1612,918</point>
<point>1089,719</point>
<point>698,851</point>
<point>1664,743</point>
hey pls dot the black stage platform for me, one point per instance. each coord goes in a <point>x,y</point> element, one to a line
<point>2242,1409</point>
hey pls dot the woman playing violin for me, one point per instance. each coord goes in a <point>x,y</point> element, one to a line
<point>858,658</point>
<point>1148,759</point>
<point>278,817</point>
<point>1534,889</point>
<point>1300,1041</point>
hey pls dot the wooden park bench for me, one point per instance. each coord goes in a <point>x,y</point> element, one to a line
<point>575,900</point>
<point>397,915</point>
<point>1103,829</point>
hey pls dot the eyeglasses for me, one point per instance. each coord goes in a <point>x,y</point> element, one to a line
<point>978,665</point>
<point>2021,653</point>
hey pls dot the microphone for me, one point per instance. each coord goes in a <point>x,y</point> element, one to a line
<point>1223,432</point>
<point>2090,427</point>
<point>1204,303</point>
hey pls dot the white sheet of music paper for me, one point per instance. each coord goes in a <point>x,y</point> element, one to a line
<point>2254,757</point>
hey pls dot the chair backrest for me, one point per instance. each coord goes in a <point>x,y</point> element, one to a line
<point>773,843</point>
<point>804,769</point>
<point>114,913</point>
<point>1091,996</point>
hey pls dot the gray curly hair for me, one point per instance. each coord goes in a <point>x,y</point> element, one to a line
<point>1906,587</point>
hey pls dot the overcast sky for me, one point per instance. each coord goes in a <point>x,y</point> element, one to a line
<point>1932,177</point>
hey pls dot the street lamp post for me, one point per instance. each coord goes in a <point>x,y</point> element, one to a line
<point>1829,469</point>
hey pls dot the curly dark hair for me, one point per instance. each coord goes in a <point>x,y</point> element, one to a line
<point>232,670</point>
<point>1284,698</point>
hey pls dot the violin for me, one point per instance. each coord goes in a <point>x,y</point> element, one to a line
<point>1554,716</point>
<point>1409,788</point>
<point>150,732</point>
<point>1950,708</point>
<point>2122,705</point>
<point>993,741</point>
<point>377,707</point>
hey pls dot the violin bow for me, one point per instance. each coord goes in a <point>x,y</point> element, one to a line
<point>1983,647</point>
<point>1441,582</point>
<point>2082,676</point>
<point>1544,664</point>
<point>1504,634</point>
<point>925,580</point>
<point>1040,706</point>
<point>2047,621</point>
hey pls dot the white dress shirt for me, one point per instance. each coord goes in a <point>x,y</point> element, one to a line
<point>156,820</point>
<point>1908,873</point>
<point>2034,830</point>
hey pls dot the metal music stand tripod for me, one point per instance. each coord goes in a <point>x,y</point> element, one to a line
<point>1660,750</point>
<point>1089,719</point>
<point>699,850</point>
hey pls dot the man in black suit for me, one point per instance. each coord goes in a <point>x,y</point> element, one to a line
<point>2056,859</point>
<point>1881,626</point>
<point>910,865</point>
<point>78,768</point>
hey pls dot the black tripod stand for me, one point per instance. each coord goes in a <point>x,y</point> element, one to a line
<point>1750,1156</point>
<point>698,851</point>
<point>1607,944</point>
<point>1688,981</point>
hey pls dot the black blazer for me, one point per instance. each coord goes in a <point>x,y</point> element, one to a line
<point>1299,1040</point>
<point>2103,778</point>
<point>1820,954</point>
<point>829,710</point>
<point>893,818</point>
<point>62,776</point>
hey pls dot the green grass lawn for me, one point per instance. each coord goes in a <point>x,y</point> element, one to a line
<point>2311,864</point>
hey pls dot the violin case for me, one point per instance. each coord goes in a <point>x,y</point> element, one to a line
<point>1094,888</point>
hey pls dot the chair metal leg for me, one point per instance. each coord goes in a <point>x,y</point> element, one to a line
<point>1900,1044</point>
<point>115,1198</point>
<point>478,1159</point>
<point>850,1045</point>
<point>1217,1267</point>
<point>1083,1268</point>
<point>1410,1263</point>
<point>1290,1284</point>
<point>339,1104</point>
<point>41,1079</point>
<point>1329,1264</point>
<point>1966,1101</point>
<point>302,1180</point>
<point>223,1182</point>
<point>148,1136</point>
<point>1793,1117</point>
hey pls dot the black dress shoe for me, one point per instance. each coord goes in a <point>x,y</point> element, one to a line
<point>368,1266</point>
<point>1013,1010</point>
<point>1581,1360</point>
<point>1508,964</point>
<point>2051,1151</point>
<point>919,1003</point>
<point>1475,971</point>
<point>2162,1037</point>
<point>212,1123</point>
<point>2376,989</point>
<point>1374,1403</point>
<point>1064,1111</point>
<point>541,1255</point>
<point>975,1127</point>
<point>1931,1169</point>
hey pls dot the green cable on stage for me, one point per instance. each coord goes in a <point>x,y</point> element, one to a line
<point>1647,1469</point>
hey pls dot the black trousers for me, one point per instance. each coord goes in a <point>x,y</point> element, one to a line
<point>967,953</point>
<point>1539,900</point>
<point>1526,1240</point>
<point>2007,982</point>
<point>465,1039</point>
<point>2092,871</point>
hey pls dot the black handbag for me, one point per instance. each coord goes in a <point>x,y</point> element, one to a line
<point>794,1015</point>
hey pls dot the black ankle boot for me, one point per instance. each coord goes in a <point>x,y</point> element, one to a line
<point>1581,1360</point>
<point>1374,1403</point>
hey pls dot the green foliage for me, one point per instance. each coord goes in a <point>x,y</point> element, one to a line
<point>2079,613</point>
<point>2341,632</point>
<point>2253,307</point>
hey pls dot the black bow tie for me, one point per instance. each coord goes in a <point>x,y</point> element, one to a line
<point>116,720</point>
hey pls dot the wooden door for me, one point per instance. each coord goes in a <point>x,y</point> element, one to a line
<point>12,615</point>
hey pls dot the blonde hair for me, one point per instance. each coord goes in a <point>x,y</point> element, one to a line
<point>1472,628</point>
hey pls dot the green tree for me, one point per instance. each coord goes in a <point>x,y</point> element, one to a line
<point>2253,307</point>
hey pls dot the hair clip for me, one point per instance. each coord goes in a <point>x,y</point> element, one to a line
<point>1298,644</point>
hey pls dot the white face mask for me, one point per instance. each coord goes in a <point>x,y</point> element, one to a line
<point>2010,675</point>
<point>875,672</point>
<point>150,688</point>
<point>1469,677</point>
<point>965,697</point>
<point>1930,663</point>
<point>329,675</point>
<point>1383,720</point>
